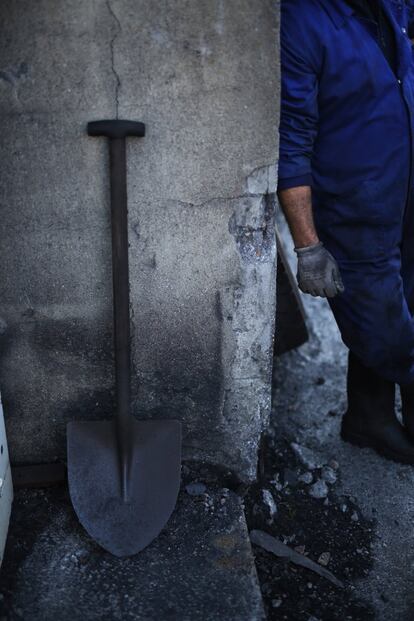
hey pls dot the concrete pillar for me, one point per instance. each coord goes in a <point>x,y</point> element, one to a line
<point>204,78</point>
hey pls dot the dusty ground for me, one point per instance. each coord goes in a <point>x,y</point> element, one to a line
<point>360,528</point>
<point>365,521</point>
<point>199,567</point>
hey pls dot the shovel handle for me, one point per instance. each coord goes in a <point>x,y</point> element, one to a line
<point>120,277</point>
<point>116,131</point>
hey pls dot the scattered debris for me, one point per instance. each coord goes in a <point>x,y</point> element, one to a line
<point>270,503</point>
<point>300,550</point>
<point>324,559</point>
<point>306,477</point>
<point>276,483</point>
<point>271,544</point>
<point>329,475</point>
<point>310,527</point>
<point>224,495</point>
<point>195,488</point>
<point>290,477</point>
<point>309,458</point>
<point>319,489</point>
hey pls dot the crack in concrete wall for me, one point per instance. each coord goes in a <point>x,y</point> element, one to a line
<point>112,47</point>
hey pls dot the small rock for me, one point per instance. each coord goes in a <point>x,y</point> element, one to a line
<point>269,502</point>
<point>276,603</point>
<point>344,508</point>
<point>300,550</point>
<point>355,517</point>
<point>324,559</point>
<point>329,475</point>
<point>276,483</point>
<point>289,539</point>
<point>306,477</point>
<point>333,464</point>
<point>290,477</point>
<point>308,458</point>
<point>195,488</point>
<point>319,489</point>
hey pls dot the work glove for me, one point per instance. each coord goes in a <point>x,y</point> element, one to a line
<point>318,272</point>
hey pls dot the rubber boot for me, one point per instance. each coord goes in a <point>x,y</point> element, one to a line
<point>370,419</point>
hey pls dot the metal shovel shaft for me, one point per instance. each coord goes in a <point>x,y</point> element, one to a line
<point>120,280</point>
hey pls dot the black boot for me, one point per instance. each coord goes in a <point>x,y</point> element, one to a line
<point>370,419</point>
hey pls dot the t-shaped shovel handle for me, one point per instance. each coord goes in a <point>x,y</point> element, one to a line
<point>117,130</point>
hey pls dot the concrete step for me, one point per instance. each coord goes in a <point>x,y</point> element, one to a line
<point>200,568</point>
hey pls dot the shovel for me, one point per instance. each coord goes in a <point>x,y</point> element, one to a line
<point>124,474</point>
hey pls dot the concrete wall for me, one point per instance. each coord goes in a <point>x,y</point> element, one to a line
<point>204,78</point>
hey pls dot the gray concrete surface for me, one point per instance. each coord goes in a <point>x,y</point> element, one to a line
<point>199,569</point>
<point>309,401</point>
<point>204,78</point>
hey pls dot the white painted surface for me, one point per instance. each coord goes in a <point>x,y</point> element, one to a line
<point>6,485</point>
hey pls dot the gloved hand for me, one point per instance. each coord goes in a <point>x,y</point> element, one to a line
<point>318,272</point>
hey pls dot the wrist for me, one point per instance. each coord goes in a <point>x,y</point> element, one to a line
<point>309,248</point>
<point>305,240</point>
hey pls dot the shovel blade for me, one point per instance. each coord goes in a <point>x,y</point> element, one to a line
<point>124,528</point>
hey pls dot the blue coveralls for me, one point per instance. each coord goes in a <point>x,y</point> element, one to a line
<point>347,126</point>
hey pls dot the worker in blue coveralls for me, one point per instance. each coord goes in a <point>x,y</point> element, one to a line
<point>346,187</point>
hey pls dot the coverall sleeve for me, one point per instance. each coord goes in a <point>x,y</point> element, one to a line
<point>410,15</point>
<point>299,99</point>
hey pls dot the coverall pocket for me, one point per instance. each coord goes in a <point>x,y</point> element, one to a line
<point>353,224</point>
